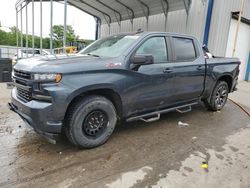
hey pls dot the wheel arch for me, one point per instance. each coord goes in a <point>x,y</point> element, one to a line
<point>107,92</point>
<point>228,79</point>
<point>225,77</point>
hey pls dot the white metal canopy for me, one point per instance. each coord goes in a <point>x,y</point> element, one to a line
<point>105,11</point>
<point>119,10</point>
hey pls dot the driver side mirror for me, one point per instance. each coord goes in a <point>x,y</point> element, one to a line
<point>143,59</point>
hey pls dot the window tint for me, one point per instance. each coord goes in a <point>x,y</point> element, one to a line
<point>184,49</point>
<point>155,46</point>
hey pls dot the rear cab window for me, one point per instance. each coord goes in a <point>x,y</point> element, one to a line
<point>184,49</point>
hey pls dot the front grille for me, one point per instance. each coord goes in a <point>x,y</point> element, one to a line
<point>24,94</point>
<point>22,74</point>
<point>21,80</point>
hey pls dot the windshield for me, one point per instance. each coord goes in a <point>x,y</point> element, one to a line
<point>110,47</point>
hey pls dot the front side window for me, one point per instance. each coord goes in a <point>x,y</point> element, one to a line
<point>156,46</point>
<point>184,49</point>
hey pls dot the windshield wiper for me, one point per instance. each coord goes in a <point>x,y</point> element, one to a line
<point>94,55</point>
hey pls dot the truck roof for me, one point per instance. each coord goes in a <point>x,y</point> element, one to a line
<point>145,33</point>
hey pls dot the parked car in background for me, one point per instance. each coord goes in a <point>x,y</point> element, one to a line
<point>24,53</point>
<point>134,76</point>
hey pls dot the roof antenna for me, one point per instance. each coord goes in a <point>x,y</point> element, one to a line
<point>139,30</point>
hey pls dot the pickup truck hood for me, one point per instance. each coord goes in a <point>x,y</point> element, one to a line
<point>64,63</point>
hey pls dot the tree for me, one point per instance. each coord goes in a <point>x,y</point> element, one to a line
<point>9,38</point>
<point>58,32</point>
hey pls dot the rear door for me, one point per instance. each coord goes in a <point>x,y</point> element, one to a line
<point>187,67</point>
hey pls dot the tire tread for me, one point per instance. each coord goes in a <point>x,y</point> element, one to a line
<point>209,102</point>
<point>76,106</point>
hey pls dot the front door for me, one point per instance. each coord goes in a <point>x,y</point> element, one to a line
<point>155,89</point>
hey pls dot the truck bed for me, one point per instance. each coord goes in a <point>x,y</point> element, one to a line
<point>222,60</point>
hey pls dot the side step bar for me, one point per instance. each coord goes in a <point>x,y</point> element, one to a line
<point>158,116</point>
<point>184,109</point>
<point>154,116</point>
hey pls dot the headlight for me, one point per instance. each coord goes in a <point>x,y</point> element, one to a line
<point>47,77</point>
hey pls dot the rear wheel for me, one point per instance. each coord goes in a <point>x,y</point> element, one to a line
<point>90,121</point>
<point>219,97</point>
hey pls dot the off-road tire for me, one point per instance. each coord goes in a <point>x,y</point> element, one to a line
<point>220,92</point>
<point>83,110</point>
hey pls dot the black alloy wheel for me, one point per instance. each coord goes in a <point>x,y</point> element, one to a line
<point>95,123</point>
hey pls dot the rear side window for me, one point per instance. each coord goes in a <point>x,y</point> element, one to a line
<point>184,49</point>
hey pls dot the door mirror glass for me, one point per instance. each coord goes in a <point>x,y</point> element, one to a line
<point>145,59</point>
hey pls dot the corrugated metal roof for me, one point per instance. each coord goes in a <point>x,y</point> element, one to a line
<point>119,10</point>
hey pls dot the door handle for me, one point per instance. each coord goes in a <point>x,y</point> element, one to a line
<point>167,70</point>
<point>199,67</point>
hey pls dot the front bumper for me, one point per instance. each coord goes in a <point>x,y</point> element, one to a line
<point>37,114</point>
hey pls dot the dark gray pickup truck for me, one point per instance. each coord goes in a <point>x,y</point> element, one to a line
<point>135,76</point>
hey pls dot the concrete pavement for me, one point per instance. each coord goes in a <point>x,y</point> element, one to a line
<point>242,96</point>
<point>159,154</point>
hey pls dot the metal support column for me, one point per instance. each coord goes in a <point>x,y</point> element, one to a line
<point>33,37</point>
<point>187,7</point>
<point>115,13</point>
<point>84,10</point>
<point>26,10</point>
<point>165,11</point>
<point>247,77</point>
<point>132,15</point>
<point>17,33</point>
<point>132,24</point>
<point>97,28</point>
<point>51,26</point>
<point>65,26</point>
<point>21,11</point>
<point>41,26</point>
<point>238,27</point>
<point>145,12</point>
<point>208,21</point>
<point>108,22</point>
<point>104,14</point>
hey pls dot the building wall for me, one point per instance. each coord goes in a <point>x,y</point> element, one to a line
<point>243,45</point>
<point>194,24</point>
<point>220,23</point>
<point>177,22</point>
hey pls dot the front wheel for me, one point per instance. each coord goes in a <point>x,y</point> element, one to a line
<point>90,121</point>
<point>219,97</point>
